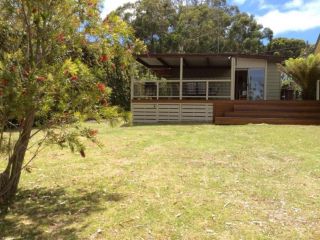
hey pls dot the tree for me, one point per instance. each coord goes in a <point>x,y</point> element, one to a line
<point>245,34</point>
<point>200,28</point>
<point>116,71</point>
<point>45,80</point>
<point>268,34</point>
<point>305,72</point>
<point>194,26</point>
<point>151,20</point>
<point>286,47</point>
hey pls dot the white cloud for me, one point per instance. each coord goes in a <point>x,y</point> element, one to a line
<point>264,5</point>
<point>302,19</point>
<point>239,2</point>
<point>294,4</point>
<point>110,5</point>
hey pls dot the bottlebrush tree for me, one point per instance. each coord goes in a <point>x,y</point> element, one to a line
<point>48,84</point>
<point>121,67</point>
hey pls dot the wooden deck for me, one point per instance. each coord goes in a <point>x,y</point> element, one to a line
<point>228,112</point>
<point>271,112</point>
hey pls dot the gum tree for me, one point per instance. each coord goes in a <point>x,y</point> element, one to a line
<point>52,73</point>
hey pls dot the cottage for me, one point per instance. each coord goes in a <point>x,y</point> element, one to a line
<point>218,88</point>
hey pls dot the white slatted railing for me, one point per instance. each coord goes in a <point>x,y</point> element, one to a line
<point>172,112</point>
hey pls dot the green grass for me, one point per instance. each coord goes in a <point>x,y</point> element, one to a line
<point>175,182</point>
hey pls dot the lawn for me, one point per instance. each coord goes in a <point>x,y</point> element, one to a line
<point>175,182</point>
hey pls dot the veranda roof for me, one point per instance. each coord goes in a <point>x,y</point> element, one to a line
<point>168,65</point>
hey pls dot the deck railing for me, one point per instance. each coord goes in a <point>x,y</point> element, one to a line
<point>203,89</point>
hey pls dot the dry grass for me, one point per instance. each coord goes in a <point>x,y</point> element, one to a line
<point>175,182</point>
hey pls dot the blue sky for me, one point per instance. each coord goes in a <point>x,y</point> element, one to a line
<point>287,18</point>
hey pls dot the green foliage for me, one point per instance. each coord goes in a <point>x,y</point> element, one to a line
<point>114,68</point>
<point>288,48</point>
<point>151,21</point>
<point>194,26</point>
<point>119,81</point>
<point>305,72</point>
<point>245,34</point>
<point>57,67</point>
<point>289,84</point>
<point>53,68</point>
<point>115,115</point>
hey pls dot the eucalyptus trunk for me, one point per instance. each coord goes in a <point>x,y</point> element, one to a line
<point>9,179</point>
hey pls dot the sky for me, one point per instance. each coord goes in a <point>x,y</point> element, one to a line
<point>287,18</point>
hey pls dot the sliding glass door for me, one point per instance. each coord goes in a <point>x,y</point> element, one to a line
<point>256,84</point>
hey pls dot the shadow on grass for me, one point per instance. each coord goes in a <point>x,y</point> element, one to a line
<point>50,213</point>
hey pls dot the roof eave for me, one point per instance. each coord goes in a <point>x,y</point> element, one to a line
<point>175,55</point>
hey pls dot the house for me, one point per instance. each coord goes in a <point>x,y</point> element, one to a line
<point>219,88</point>
<point>317,46</point>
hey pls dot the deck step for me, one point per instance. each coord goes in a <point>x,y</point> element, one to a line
<point>270,107</point>
<point>273,114</point>
<point>268,120</point>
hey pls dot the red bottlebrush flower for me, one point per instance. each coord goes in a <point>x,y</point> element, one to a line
<point>61,38</point>
<point>90,3</point>
<point>104,58</point>
<point>40,79</point>
<point>101,87</point>
<point>74,78</point>
<point>4,82</point>
<point>26,73</point>
<point>93,132</point>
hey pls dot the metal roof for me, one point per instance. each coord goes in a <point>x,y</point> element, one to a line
<point>196,60</point>
<point>168,64</point>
